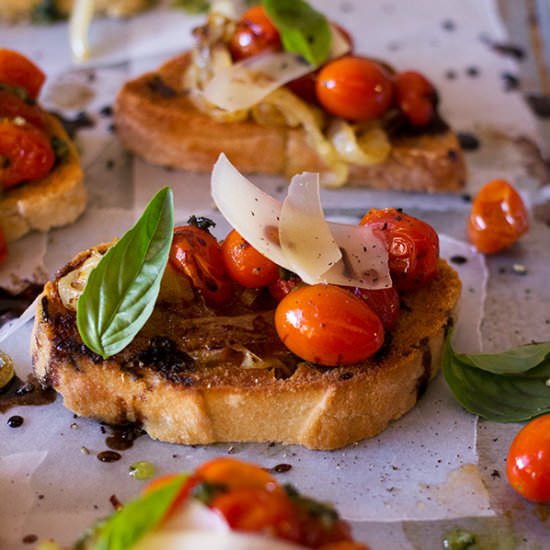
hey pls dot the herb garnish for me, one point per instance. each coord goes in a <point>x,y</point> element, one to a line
<point>121,291</point>
<point>511,386</point>
<point>303,29</point>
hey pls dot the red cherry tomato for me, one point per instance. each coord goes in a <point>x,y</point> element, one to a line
<point>283,285</point>
<point>25,153</point>
<point>354,88</point>
<point>245,264</point>
<point>498,217</point>
<point>12,106</point>
<point>3,247</point>
<point>197,254</point>
<point>528,462</point>
<point>344,545</point>
<point>415,96</point>
<point>18,70</point>
<point>384,302</point>
<point>413,247</point>
<point>254,34</point>
<point>328,325</point>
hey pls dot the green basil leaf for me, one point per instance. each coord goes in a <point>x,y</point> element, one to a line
<point>509,397</point>
<point>303,29</point>
<point>121,291</point>
<point>123,529</point>
<point>192,7</point>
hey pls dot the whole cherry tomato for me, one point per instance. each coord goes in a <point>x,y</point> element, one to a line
<point>245,264</point>
<point>3,247</point>
<point>25,153</point>
<point>328,325</point>
<point>12,106</point>
<point>285,283</point>
<point>415,96</point>
<point>413,247</point>
<point>198,254</point>
<point>528,462</point>
<point>18,70</point>
<point>498,217</point>
<point>355,88</point>
<point>255,33</point>
<point>384,302</point>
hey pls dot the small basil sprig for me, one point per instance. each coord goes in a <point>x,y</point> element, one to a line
<point>511,386</point>
<point>121,291</point>
<point>303,29</point>
<point>123,529</point>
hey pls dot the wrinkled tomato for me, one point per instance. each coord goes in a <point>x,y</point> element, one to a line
<point>245,264</point>
<point>197,254</point>
<point>415,96</point>
<point>25,153</point>
<point>498,217</point>
<point>255,34</point>
<point>284,284</point>
<point>355,88</point>
<point>413,247</point>
<point>18,70</point>
<point>528,462</point>
<point>384,302</point>
<point>12,106</point>
<point>3,247</point>
<point>328,325</point>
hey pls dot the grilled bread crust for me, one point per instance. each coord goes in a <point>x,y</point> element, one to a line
<point>156,120</point>
<point>56,200</point>
<point>155,381</point>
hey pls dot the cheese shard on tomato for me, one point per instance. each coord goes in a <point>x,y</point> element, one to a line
<point>295,235</point>
<point>247,82</point>
<point>305,236</point>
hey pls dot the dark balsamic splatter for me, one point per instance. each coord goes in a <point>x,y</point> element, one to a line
<point>511,82</point>
<point>468,141</point>
<point>540,105</point>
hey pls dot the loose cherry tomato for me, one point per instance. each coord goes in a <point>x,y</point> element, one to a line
<point>415,96</point>
<point>198,254</point>
<point>384,302</point>
<point>283,285</point>
<point>355,88</point>
<point>255,34</point>
<point>18,70</point>
<point>498,217</point>
<point>3,247</point>
<point>245,264</point>
<point>413,247</point>
<point>12,106</point>
<point>328,325</point>
<point>528,462</point>
<point>25,153</point>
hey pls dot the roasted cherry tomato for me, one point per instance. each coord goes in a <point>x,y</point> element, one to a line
<point>25,153</point>
<point>328,325</point>
<point>384,302</point>
<point>17,70</point>
<point>12,106</point>
<point>285,283</point>
<point>245,264</point>
<point>3,247</point>
<point>498,217</point>
<point>198,254</point>
<point>255,33</point>
<point>528,462</point>
<point>355,88</point>
<point>415,96</point>
<point>413,247</point>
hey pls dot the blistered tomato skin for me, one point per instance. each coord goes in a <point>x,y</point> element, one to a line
<point>415,96</point>
<point>18,70</point>
<point>498,217</point>
<point>384,302</point>
<point>245,264</point>
<point>528,461</point>
<point>354,88</point>
<point>254,34</point>
<point>413,247</point>
<point>328,325</point>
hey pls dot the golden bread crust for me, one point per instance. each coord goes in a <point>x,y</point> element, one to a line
<point>199,403</point>
<point>56,200</point>
<point>167,130</point>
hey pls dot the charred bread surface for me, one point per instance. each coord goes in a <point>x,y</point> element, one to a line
<point>156,120</point>
<point>56,200</point>
<point>183,377</point>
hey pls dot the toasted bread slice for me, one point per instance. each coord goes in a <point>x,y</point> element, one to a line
<point>156,120</point>
<point>56,200</point>
<point>194,377</point>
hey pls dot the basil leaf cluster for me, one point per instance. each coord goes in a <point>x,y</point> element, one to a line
<point>511,386</point>
<point>121,291</point>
